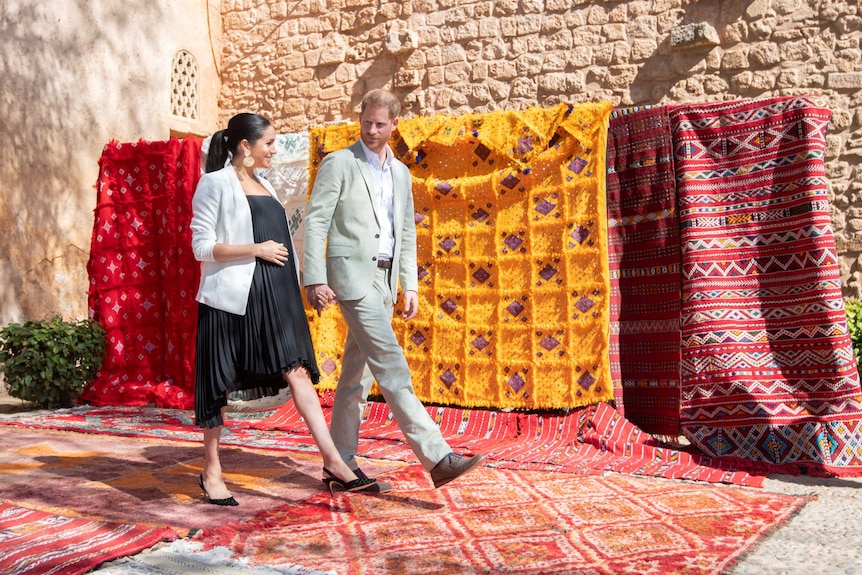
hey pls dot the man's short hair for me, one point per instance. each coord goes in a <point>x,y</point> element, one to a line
<point>380,98</point>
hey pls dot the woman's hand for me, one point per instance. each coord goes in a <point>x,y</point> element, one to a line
<point>272,251</point>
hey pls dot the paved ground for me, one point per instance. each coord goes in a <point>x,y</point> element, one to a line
<point>824,538</point>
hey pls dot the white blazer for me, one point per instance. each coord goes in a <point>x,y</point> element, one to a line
<point>221,214</point>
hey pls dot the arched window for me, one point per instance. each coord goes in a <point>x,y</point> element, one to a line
<point>184,85</point>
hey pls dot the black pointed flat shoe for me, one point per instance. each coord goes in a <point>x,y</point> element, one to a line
<point>226,502</point>
<point>358,484</point>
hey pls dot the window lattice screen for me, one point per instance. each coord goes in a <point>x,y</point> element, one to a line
<point>184,85</point>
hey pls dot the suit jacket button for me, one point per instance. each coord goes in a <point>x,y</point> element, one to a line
<point>376,236</point>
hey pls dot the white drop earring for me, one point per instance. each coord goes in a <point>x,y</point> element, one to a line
<point>248,161</point>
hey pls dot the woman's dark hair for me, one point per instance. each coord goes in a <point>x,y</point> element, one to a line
<point>224,143</point>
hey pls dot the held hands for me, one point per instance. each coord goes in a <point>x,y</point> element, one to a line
<point>272,251</point>
<point>320,296</point>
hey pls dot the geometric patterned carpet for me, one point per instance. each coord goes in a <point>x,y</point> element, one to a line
<point>510,521</point>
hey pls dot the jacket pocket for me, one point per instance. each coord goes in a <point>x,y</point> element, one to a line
<point>339,251</point>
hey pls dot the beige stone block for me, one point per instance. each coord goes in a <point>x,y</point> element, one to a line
<point>587,36</point>
<point>621,53</point>
<point>391,10</point>
<point>452,53</point>
<point>554,63</point>
<point>531,24</point>
<point>580,56</point>
<point>495,50</point>
<point>502,70</point>
<point>765,54</point>
<point>643,27</point>
<point>844,80</point>
<point>334,55</point>
<point>509,26</point>
<point>292,107</point>
<point>643,49</point>
<point>735,59</point>
<point>457,72</point>
<point>435,76</point>
<point>788,79</point>
<point>481,93</point>
<point>552,23</point>
<point>402,42</point>
<point>562,40</point>
<point>597,15</point>
<point>490,28</point>
<point>524,88</point>
<point>407,78</point>
<point>614,32</point>
<point>528,64</point>
<point>479,71</point>
<point>619,14</point>
<point>735,32</point>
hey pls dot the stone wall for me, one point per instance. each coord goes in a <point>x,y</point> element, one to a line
<point>307,62</point>
<point>76,75</point>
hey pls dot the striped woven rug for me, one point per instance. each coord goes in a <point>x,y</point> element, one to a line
<point>768,372</point>
<point>644,260</point>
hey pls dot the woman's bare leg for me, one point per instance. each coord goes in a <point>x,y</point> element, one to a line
<point>212,474</point>
<point>308,404</point>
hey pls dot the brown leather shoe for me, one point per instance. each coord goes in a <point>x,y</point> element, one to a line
<point>452,467</point>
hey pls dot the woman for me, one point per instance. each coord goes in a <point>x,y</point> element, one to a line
<point>253,336</point>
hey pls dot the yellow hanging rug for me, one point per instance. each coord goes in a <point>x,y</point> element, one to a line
<point>511,229</point>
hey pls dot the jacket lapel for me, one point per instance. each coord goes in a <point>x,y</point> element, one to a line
<point>365,171</point>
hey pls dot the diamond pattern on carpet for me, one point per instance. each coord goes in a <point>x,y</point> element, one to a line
<point>514,521</point>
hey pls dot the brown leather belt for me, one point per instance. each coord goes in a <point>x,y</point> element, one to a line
<point>385,264</point>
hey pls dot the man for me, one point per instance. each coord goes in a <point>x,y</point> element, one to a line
<point>360,240</point>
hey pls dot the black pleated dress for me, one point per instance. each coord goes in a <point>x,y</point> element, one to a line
<point>248,355</point>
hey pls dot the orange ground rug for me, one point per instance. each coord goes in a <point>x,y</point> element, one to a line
<point>514,521</point>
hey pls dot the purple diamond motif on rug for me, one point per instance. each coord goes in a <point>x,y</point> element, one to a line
<point>584,304</point>
<point>449,306</point>
<point>513,242</point>
<point>544,207</point>
<point>549,342</point>
<point>401,147</point>
<point>421,272</point>
<point>483,151</point>
<point>586,380</point>
<point>480,343</point>
<point>480,215</point>
<point>515,308</point>
<point>443,187</point>
<point>525,144</point>
<point>447,244</point>
<point>580,234</point>
<point>417,217</point>
<point>516,382</point>
<point>417,338</point>
<point>448,378</point>
<point>510,181</point>
<point>328,366</point>
<point>548,272</point>
<point>481,275</point>
<point>578,165</point>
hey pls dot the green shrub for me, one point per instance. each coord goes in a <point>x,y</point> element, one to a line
<point>49,362</point>
<point>853,308</point>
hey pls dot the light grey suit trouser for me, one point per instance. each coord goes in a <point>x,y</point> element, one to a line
<point>372,345</point>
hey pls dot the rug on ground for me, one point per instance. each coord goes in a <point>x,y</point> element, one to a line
<point>511,521</point>
<point>34,542</point>
<point>587,441</point>
<point>152,482</point>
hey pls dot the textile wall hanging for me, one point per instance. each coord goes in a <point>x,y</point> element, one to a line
<point>768,372</point>
<point>644,260</point>
<point>512,231</point>
<point>143,276</point>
